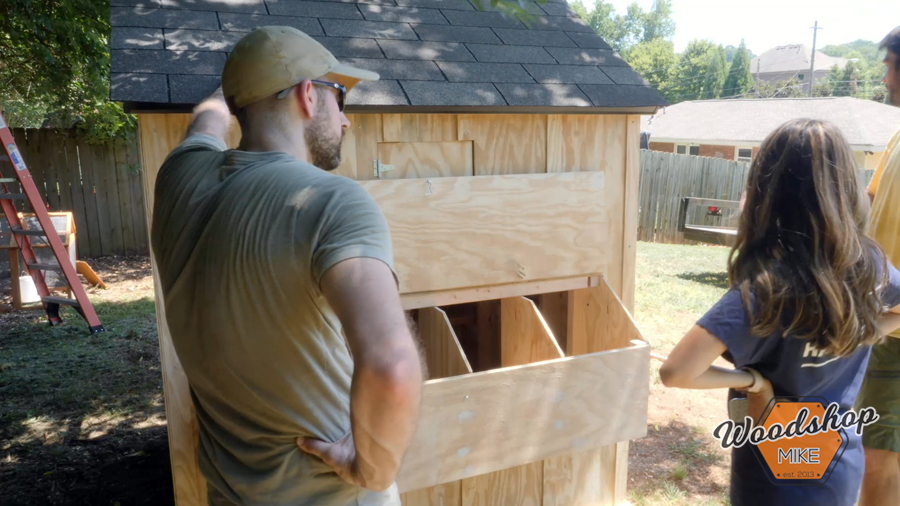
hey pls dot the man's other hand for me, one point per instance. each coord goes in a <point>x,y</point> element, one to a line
<point>339,456</point>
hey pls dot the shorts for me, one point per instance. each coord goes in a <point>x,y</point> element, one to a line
<point>881,390</point>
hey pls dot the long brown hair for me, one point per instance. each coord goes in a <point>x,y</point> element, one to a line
<point>801,248</point>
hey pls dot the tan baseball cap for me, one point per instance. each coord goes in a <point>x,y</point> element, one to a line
<point>273,58</point>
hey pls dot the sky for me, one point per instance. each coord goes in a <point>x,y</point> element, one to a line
<point>765,24</point>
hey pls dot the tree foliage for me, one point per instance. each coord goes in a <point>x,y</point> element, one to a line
<point>690,79</point>
<point>717,73</point>
<point>54,62</point>
<point>654,60</point>
<point>740,79</point>
<point>625,32</point>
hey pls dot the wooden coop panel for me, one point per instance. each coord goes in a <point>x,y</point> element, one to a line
<point>408,160</point>
<point>506,143</point>
<point>419,127</point>
<point>533,229</point>
<point>481,428</point>
<point>472,231</point>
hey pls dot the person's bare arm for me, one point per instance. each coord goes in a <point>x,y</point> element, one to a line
<point>387,375</point>
<point>690,366</point>
<point>890,321</point>
<point>211,116</point>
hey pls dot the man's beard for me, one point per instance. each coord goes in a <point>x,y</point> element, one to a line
<point>324,147</point>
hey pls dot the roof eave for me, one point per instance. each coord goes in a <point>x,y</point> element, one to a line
<point>155,108</point>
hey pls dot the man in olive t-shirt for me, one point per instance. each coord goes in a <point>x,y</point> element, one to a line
<point>265,259</point>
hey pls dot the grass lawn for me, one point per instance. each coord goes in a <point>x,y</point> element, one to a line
<point>82,419</point>
<point>677,464</point>
<point>81,416</point>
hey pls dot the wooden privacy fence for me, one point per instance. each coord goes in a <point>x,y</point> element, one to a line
<point>100,184</point>
<point>667,177</point>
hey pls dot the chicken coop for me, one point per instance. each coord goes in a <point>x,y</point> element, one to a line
<point>504,152</point>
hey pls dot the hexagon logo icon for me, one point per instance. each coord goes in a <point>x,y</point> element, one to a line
<point>811,456</point>
<point>799,440</point>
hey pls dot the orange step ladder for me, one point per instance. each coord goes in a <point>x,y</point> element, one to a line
<point>32,266</point>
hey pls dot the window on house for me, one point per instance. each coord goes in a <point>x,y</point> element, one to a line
<point>685,149</point>
<point>801,76</point>
<point>744,154</point>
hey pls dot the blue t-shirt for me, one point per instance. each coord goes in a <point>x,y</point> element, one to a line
<point>796,369</point>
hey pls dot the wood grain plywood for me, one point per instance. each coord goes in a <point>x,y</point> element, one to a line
<point>448,494</point>
<point>189,484</point>
<point>580,143</point>
<point>444,358</point>
<point>367,134</point>
<point>524,335</point>
<point>520,486</point>
<point>419,127</point>
<point>471,425</point>
<point>425,159</point>
<point>506,143</point>
<point>451,233</point>
<point>443,354</point>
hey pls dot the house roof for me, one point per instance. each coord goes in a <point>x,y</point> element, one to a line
<point>793,58</point>
<point>433,55</point>
<point>865,123</point>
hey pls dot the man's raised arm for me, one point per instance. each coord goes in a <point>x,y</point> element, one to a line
<point>211,117</point>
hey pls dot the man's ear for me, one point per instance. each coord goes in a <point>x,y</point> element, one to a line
<point>307,99</point>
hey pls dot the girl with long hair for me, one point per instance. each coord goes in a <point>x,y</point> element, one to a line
<point>810,293</point>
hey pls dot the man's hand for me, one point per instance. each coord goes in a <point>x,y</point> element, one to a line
<point>339,456</point>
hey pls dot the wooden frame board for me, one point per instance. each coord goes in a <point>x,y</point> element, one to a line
<point>491,230</point>
<point>475,424</point>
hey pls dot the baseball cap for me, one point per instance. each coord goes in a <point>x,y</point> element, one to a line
<point>273,58</point>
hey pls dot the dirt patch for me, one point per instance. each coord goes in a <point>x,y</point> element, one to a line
<point>82,419</point>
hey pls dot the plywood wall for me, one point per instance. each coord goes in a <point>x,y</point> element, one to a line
<point>436,146</point>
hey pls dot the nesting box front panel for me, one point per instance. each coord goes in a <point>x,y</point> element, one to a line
<point>531,227</point>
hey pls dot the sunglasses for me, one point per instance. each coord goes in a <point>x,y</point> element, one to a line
<point>342,91</point>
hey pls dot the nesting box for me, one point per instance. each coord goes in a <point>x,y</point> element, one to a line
<point>504,153</point>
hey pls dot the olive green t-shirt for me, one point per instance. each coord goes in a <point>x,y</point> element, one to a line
<point>241,241</point>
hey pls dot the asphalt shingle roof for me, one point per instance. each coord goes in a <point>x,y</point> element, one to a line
<point>432,54</point>
<point>863,122</point>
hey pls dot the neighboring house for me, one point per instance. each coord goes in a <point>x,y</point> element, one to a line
<point>734,129</point>
<point>787,62</point>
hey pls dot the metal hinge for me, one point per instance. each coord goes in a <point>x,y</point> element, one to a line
<point>380,167</point>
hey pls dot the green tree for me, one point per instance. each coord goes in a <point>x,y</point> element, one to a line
<point>792,88</point>
<point>689,78</point>
<point>654,60</point>
<point>658,23</point>
<point>862,48</point>
<point>54,59</point>
<point>624,32</point>
<point>740,79</point>
<point>716,74</point>
<point>731,50</point>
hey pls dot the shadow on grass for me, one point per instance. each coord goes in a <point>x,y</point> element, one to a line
<point>81,415</point>
<point>676,460</point>
<point>716,279</point>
